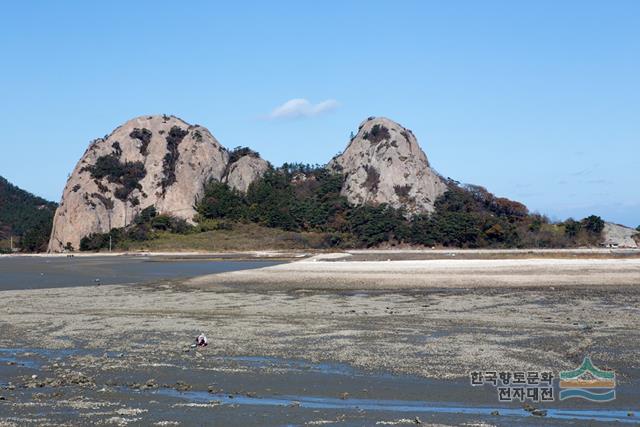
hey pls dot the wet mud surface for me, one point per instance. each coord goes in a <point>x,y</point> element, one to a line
<point>54,272</point>
<point>195,387</point>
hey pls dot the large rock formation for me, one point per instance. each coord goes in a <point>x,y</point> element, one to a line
<point>619,236</point>
<point>244,167</point>
<point>151,160</point>
<point>383,163</point>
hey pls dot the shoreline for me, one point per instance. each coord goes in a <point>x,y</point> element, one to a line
<point>187,254</point>
<point>300,253</point>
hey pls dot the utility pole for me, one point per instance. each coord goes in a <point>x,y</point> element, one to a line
<point>109,230</point>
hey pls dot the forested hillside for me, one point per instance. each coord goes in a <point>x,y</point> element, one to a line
<point>25,217</point>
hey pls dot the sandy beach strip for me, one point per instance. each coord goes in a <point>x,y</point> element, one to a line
<point>336,271</point>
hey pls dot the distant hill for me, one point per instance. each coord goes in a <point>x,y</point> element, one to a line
<point>24,216</point>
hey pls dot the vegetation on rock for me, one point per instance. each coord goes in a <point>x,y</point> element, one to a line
<point>144,136</point>
<point>239,152</point>
<point>126,174</point>
<point>373,179</point>
<point>174,138</point>
<point>377,134</point>
<point>145,226</point>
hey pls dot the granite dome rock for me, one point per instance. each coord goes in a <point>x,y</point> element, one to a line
<point>383,163</point>
<point>159,161</point>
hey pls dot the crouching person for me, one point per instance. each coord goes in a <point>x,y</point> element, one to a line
<point>202,340</point>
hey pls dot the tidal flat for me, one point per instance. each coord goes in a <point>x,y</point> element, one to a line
<point>336,339</point>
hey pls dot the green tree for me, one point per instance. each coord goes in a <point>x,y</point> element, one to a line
<point>593,224</point>
<point>271,200</point>
<point>373,225</point>
<point>25,217</point>
<point>146,215</point>
<point>220,201</point>
<point>423,230</point>
<point>572,227</point>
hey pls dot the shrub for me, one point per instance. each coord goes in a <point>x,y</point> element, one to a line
<point>145,215</point>
<point>142,228</point>
<point>170,223</point>
<point>239,152</point>
<point>144,136</point>
<point>205,224</point>
<point>97,241</point>
<point>107,166</point>
<point>197,135</point>
<point>174,138</point>
<point>402,191</point>
<point>117,150</point>
<point>377,134</point>
<point>127,175</point>
<point>372,180</point>
<point>572,227</point>
<point>220,201</point>
<point>593,224</point>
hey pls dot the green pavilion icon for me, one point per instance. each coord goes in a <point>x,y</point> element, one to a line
<point>581,383</point>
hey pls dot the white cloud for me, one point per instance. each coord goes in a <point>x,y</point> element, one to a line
<point>300,107</point>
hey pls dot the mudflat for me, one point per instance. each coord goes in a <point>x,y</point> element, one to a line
<point>36,272</point>
<point>324,341</point>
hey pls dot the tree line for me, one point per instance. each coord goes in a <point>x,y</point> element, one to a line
<point>299,197</point>
<point>306,198</point>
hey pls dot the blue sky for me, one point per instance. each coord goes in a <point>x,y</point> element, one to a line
<point>537,101</point>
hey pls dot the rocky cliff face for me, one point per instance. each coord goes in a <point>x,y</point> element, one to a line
<point>245,169</point>
<point>383,163</point>
<point>152,160</point>
<point>615,235</point>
